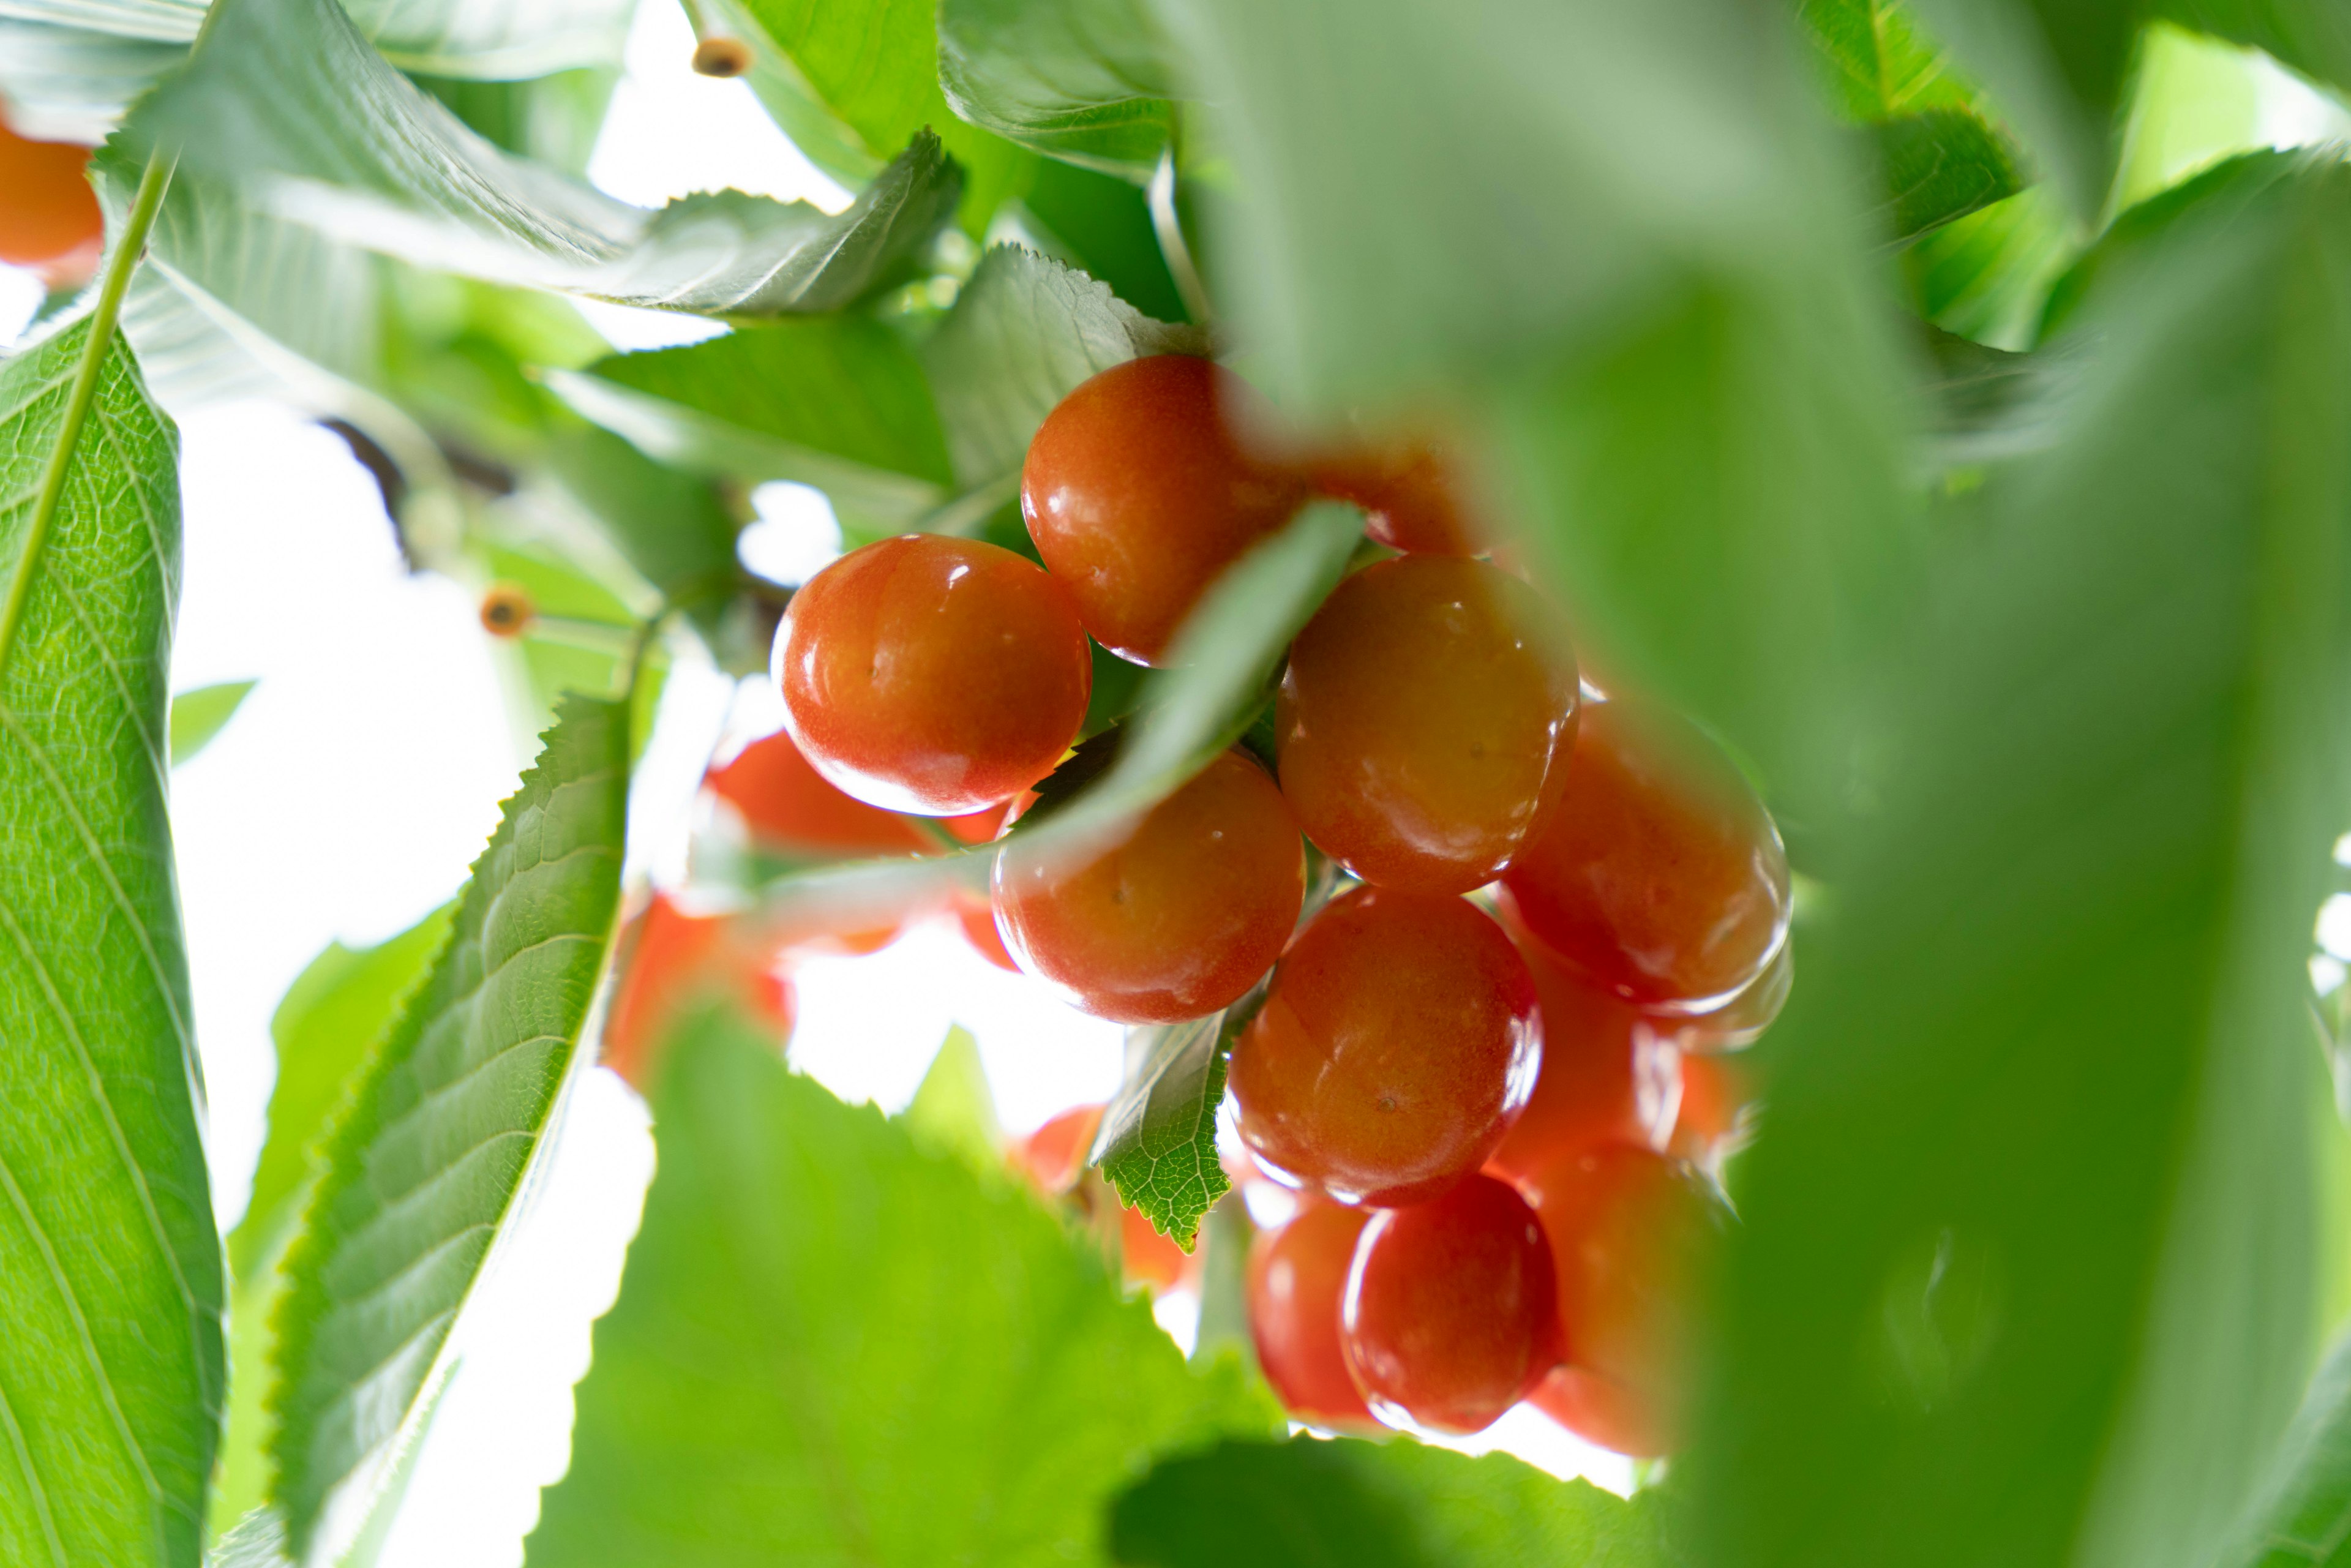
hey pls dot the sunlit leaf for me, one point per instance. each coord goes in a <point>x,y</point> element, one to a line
<point>200,715</point>
<point>830,1345</point>
<point>1158,1139</point>
<point>952,1112</point>
<point>1941,165</point>
<point>1087,80</point>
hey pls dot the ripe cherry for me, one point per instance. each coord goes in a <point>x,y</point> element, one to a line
<point>1397,1041</point>
<point>1138,496</point>
<point>1450,1315</point>
<point>1054,1156</point>
<point>1629,1230</point>
<point>1425,722</point>
<point>674,962</point>
<point>1147,1257</point>
<point>933,675</point>
<point>1296,1281</point>
<point>1176,920</point>
<point>1585,1093</point>
<point>1411,494</point>
<point>1658,875</point>
<point>788,804</point>
<point>49,212</point>
<point>1716,1092</point>
<point>974,916</point>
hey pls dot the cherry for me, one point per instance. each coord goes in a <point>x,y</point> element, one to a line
<point>1658,875</point>
<point>1586,1091</point>
<point>49,211</point>
<point>1148,1258</point>
<point>933,675</point>
<point>1411,494</point>
<point>1425,722</point>
<point>1743,1018</point>
<point>1397,1041</point>
<point>1176,920</point>
<point>786,803</point>
<point>1137,496</point>
<point>974,916</point>
<point>1054,1156</point>
<point>674,960</point>
<point>1599,1412</point>
<point>1715,1093</point>
<point>1451,1316</point>
<point>1297,1281</point>
<point>1628,1230</point>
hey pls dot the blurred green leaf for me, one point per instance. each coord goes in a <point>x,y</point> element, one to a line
<point>505,40</point>
<point>2305,1513</point>
<point>553,118</point>
<point>1986,275</point>
<point>1879,65</point>
<point>832,1346</point>
<point>109,1267</point>
<point>256,1541</point>
<point>1102,225</point>
<point>424,1164</point>
<point>354,150</point>
<point>74,84</point>
<point>1157,1144</point>
<point>198,716</point>
<point>1314,1502</point>
<point>2310,36</point>
<point>1940,165</point>
<point>2027,1271</point>
<point>672,527</point>
<point>1085,80</point>
<point>953,1113</point>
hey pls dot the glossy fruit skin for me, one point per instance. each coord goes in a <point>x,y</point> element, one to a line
<point>1397,1042</point>
<point>931,675</point>
<point>1630,1230</point>
<point>1658,875</point>
<point>47,209</point>
<point>788,804</point>
<point>1297,1283</point>
<point>1173,923</point>
<point>1411,492</point>
<point>674,962</point>
<point>1138,497</point>
<point>1450,1315</point>
<point>1586,1093</point>
<point>1425,722</point>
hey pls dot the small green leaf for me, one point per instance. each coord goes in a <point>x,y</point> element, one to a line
<point>1086,81</point>
<point>1940,165</point>
<point>354,150</point>
<point>501,41</point>
<point>671,527</point>
<point>1158,1138</point>
<point>423,1165</point>
<point>111,1283</point>
<point>953,1113</point>
<point>198,716</point>
<point>832,1346</point>
<point>257,1541</point>
<point>1314,1502</point>
<point>2305,1513</point>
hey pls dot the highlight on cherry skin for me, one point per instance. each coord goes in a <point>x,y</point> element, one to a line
<point>931,675</point>
<point>1425,721</point>
<point>1175,919</point>
<point>1397,1041</point>
<point>1138,493</point>
<point>1451,1314</point>
<point>1658,875</point>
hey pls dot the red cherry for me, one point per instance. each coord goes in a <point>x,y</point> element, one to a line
<point>1585,1093</point>
<point>1397,1041</point>
<point>674,961</point>
<point>1450,1315</point>
<point>933,675</point>
<point>1296,1281</point>
<point>1629,1230</point>
<point>48,211</point>
<point>974,916</point>
<point>1599,1412</point>
<point>1054,1156</point>
<point>1411,495</point>
<point>1173,921</point>
<point>1138,497</point>
<point>1716,1091</point>
<point>1425,721</point>
<point>1658,875</point>
<point>1148,1258</point>
<point>786,803</point>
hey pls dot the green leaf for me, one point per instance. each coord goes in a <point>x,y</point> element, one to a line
<point>354,150</point>
<point>198,716</point>
<point>1157,1144</point>
<point>1941,165</point>
<point>2306,1507</point>
<point>554,119</point>
<point>109,1268</point>
<point>2064,995</point>
<point>1102,226</point>
<point>1315,1502</point>
<point>1086,81</point>
<point>423,1164</point>
<point>832,1346</point>
<point>73,84</point>
<point>503,41</point>
<point>953,1113</point>
<point>2307,35</point>
<point>257,1541</point>
<point>672,527</point>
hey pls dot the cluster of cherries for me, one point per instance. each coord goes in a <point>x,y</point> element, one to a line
<point>50,218</point>
<point>1488,1066</point>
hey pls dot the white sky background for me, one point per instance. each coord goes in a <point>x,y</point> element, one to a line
<point>348,795</point>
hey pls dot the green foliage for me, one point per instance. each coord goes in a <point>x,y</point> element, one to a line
<point>378,162</point>
<point>830,1345</point>
<point>552,119</point>
<point>2304,1515</point>
<point>1085,80</point>
<point>1158,1138</point>
<point>1102,226</point>
<point>1941,165</point>
<point>200,715</point>
<point>424,1163</point>
<point>672,527</point>
<point>953,1113</point>
<point>110,1270</point>
<point>1344,1503</point>
<point>2069,1330</point>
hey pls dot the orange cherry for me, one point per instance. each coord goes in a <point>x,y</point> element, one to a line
<point>1411,493</point>
<point>1297,1283</point>
<point>786,803</point>
<point>48,211</point>
<point>1586,1093</point>
<point>672,961</point>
